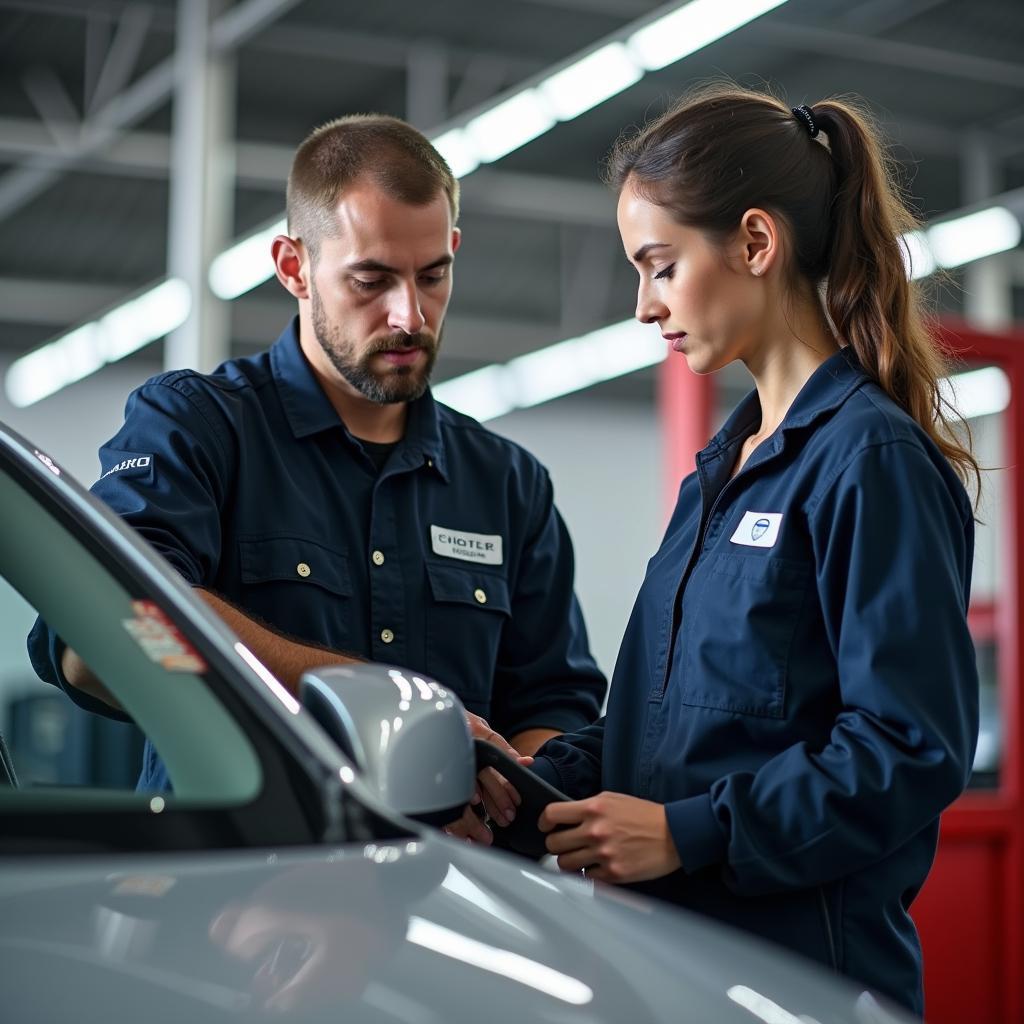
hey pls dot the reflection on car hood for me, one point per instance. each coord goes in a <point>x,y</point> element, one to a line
<point>419,932</point>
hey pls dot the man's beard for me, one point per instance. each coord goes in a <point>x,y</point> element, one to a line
<point>396,383</point>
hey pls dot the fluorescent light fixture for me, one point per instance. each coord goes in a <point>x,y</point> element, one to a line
<point>139,321</point>
<point>973,237</point>
<point>125,329</point>
<point>917,255</point>
<point>590,81</point>
<point>481,394</point>
<point>552,372</point>
<point>582,362</point>
<point>455,146</point>
<point>509,125</point>
<point>983,392</point>
<point>529,113</point>
<point>246,264</point>
<point>503,962</point>
<point>691,27</point>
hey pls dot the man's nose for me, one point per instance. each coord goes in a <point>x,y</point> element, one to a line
<point>405,314</point>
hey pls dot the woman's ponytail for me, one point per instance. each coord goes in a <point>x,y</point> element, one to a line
<point>871,301</point>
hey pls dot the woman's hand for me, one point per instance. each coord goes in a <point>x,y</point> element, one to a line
<point>617,838</point>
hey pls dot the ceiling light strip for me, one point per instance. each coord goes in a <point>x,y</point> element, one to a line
<point>500,127</point>
<point>125,329</point>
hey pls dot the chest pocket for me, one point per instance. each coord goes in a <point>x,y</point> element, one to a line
<point>465,618</point>
<point>298,586</point>
<point>737,631</point>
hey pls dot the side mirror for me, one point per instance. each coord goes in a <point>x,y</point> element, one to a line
<point>405,734</point>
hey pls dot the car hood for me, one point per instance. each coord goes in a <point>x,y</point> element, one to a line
<point>421,931</point>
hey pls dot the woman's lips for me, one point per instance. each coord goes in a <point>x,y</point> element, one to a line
<point>676,340</point>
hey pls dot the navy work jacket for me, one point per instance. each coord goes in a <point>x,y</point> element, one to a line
<point>452,560</point>
<point>797,684</point>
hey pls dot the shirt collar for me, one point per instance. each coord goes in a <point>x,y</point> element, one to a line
<point>309,411</point>
<point>306,407</point>
<point>825,390</point>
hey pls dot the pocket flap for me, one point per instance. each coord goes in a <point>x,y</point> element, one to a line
<point>263,559</point>
<point>452,584</point>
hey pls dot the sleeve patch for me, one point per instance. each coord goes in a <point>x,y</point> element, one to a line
<point>131,464</point>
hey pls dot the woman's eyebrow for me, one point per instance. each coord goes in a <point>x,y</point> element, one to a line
<point>642,252</point>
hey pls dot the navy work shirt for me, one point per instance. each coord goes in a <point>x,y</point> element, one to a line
<point>797,684</point>
<point>452,559</point>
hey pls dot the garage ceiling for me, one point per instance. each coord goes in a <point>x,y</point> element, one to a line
<point>541,259</point>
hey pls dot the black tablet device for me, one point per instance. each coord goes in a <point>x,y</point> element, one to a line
<point>522,836</point>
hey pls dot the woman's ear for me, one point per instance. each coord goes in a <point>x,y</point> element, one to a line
<point>759,241</point>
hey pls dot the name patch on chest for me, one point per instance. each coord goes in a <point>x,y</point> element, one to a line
<point>468,547</point>
<point>758,529</point>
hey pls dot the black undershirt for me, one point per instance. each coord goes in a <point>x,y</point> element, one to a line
<point>378,451</point>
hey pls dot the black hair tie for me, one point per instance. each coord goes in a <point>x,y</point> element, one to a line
<point>805,116</point>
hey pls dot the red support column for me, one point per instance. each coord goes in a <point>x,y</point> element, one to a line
<point>686,411</point>
<point>971,911</point>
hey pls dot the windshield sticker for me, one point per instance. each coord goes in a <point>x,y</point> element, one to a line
<point>160,639</point>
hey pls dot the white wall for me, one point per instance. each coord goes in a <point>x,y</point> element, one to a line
<point>72,424</point>
<point>604,457</point>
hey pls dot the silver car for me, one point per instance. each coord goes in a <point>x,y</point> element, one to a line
<point>287,875</point>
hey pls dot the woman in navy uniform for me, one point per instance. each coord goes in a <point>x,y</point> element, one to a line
<point>795,700</point>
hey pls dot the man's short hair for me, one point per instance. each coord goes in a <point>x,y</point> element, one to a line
<point>391,154</point>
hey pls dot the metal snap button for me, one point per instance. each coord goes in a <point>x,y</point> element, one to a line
<point>387,636</point>
<point>480,596</point>
<point>303,570</point>
<point>378,557</point>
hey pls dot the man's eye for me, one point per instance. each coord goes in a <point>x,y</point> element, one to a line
<point>366,286</point>
<point>666,274</point>
<point>430,279</point>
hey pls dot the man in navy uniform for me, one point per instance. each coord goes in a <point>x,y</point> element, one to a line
<point>321,501</point>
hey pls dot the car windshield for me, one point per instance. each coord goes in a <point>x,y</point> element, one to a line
<point>245,765</point>
<point>148,668</point>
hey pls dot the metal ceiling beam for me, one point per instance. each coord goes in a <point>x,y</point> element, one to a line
<point>891,53</point>
<point>147,94</point>
<point>375,49</point>
<point>265,166</point>
<point>25,300</point>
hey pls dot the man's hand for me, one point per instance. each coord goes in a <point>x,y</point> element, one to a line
<point>499,797</point>
<point>79,675</point>
<point>616,838</point>
<point>471,826</point>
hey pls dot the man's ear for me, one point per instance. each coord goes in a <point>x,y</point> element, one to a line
<point>760,241</point>
<point>292,265</point>
<point>456,239</point>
